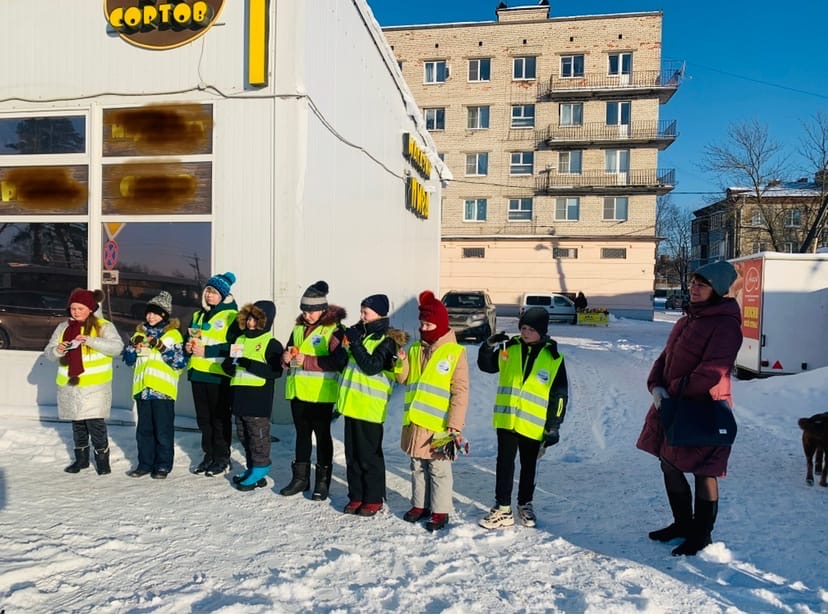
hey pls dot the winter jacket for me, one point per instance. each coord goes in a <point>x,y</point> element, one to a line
<point>488,361</point>
<point>256,400</point>
<point>215,317</point>
<point>702,346</point>
<point>87,402</point>
<point>172,355</point>
<point>333,362</point>
<point>415,441</point>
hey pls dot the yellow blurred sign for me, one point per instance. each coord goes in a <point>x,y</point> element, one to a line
<point>113,228</point>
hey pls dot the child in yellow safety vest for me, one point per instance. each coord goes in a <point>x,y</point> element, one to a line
<point>156,350</point>
<point>436,374</point>
<point>531,399</point>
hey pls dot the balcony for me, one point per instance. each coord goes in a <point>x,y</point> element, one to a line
<point>662,83</point>
<point>658,133</point>
<point>635,181</point>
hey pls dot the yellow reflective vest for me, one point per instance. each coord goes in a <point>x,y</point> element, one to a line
<point>428,393</point>
<point>151,372</point>
<point>362,396</point>
<point>313,386</point>
<point>522,406</point>
<point>97,367</point>
<point>215,333</point>
<point>254,349</point>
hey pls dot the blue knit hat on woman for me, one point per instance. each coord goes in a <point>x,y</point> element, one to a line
<point>222,283</point>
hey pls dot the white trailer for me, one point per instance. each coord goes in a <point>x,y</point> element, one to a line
<point>784,304</point>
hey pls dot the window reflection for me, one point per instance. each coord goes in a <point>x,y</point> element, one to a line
<point>43,135</point>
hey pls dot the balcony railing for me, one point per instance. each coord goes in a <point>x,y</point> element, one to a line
<point>658,132</point>
<point>635,180</point>
<point>664,82</point>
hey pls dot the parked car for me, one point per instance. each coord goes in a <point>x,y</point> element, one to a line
<point>27,318</point>
<point>677,302</point>
<point>559,307</point>
<point>471,313</point>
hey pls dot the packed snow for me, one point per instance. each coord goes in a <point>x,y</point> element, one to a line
<point>89,543</point>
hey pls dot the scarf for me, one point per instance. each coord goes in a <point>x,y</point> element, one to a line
<point>75,355</point>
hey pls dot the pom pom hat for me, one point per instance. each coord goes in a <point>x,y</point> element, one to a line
<point>222,283</point>
<point>161,304</point>
<point>432,310</point>
<point>84,297</point>
<point>315,298</point>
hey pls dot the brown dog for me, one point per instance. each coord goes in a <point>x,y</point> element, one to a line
<point>815,442</point>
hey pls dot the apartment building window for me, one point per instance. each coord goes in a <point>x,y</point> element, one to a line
<point>613,252</point>
<point>760,246</point>
<point>477,163</point>
<point>789,246</point>
<point>572,114</point>
<point>569,163</point>
<point>475,210</point>
<point>523,116</point>
<point>478,117</point>
<point>564,252</point>
<point>572,66</point>
<point>618,113</point>
<point>568,208</point>
<point>617,161</point>
<point>757,218</point>
<point>616,207</point>
<point>716,221</point>
<point>435,118</point>
<point>480,69</point>
<point>436,71</point>
<point>522,163</point>
<point>620,63</point>
<point>520,210</point>
<point>474,252</point>
<point>793,218</point>
<point>523,68</point>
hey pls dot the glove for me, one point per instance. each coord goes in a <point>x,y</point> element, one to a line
<point>551,437</point>
<point>659,393</point>
<point>497,338</point>
<point>137,340</point>
<point>243,362</point>
<point>156,343</point>
<point>354,334</point>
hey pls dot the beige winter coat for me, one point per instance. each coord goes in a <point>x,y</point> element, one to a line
<point>415,440</point>
<point>88,402</point>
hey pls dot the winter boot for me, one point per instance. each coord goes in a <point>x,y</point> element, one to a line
<point>703,521</point>
<point>201,468</point>
<point>681,504</point>
<point>240,477</point>
<point>323,483</point>
<point>300,480</point>
<point>218,467</point>
<point>81,461</point>
<point>255,479</point>
<point>102,461</point>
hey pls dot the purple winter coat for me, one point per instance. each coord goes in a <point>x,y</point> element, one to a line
<point>703,347</point>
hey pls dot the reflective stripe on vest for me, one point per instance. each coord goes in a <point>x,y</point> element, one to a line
<point>254,349</point>
<point>362,396</point>
<point>522,406</point>
<point>428,393</point>
<point>152,372</point>
<point>215,334</point>
<point>312,385</point>
<point>97,367</point>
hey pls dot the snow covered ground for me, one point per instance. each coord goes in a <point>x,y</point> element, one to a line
<point>193,544</point>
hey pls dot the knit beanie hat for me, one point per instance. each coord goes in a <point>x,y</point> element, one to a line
<point>161,304</point>
<point>432,310</point>
<point>85,297</point>
<point>378,303</point>
<point>315,298</point>
<point>720,275</point>
<point>537,318</point>
<point>222,283</point>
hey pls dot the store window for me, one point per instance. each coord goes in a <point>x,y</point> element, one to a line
<point>43,135</point>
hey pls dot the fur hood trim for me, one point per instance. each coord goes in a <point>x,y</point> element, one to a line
<point>398,335</point>
<point>263,320</point>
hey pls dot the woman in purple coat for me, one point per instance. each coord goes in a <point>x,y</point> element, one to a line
<point>702,348</point>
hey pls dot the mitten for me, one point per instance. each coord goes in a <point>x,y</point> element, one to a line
<point>498,338</point>
<point>354,334</point>
<point>243,362</point>
<point>551,437</point>
<point>659,393</point>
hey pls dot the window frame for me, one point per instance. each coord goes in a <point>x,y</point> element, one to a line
<point>437,111</point>
<point>479,65</point>
<point>571,106</point>
<point>520,201</point>
<point>522,116</point>
<point>477,207</point>
<point>576,67</point>
<point>566,168</point>
<point>793,218</point>
<point>515,167</point>
<point>476,111</point>
<point>621,58</point>
<point>523,61</point>
<point>607,253</point>
<point>477,156</point>
<point>566,204</point>
<point>615,201</point>
<point>435,68</point>
<point>562,253</point>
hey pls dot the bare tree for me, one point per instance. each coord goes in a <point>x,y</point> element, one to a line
<point>673,226</point>
<point>814,149</point>
<point>750,159</point>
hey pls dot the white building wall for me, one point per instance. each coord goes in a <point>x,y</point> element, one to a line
<point>297,196</point>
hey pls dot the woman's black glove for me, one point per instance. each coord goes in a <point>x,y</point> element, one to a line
<point>355,334</point>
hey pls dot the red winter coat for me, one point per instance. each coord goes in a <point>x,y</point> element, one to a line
<point>703,347</point>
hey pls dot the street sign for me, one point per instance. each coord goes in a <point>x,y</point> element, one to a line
<point>110,255</point>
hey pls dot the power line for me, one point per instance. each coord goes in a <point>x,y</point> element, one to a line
<point>760,81</point>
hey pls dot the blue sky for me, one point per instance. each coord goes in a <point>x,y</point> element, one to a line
<point>745,60</point>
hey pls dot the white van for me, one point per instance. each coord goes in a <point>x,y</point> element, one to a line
<point>559,307</point>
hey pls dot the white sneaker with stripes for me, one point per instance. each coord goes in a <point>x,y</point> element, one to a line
<point>527,515</point>
<point>499,516</point>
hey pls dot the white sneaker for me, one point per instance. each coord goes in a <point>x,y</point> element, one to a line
<point>499,516</point>
<point>527,515</point>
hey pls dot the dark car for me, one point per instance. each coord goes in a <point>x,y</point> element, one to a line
<point>471,313</point>
<point>677,302</point>
<point>28,318</point>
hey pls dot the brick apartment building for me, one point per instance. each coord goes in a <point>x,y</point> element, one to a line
<point>551,127</point>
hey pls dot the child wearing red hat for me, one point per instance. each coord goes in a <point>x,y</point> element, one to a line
<point>83,347</point>
<point>436,374</point>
